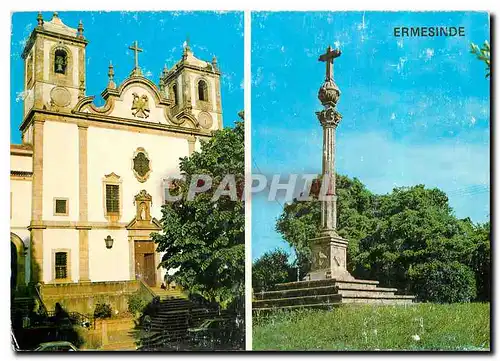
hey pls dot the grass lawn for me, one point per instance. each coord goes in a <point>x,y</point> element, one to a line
<point>424,326</point>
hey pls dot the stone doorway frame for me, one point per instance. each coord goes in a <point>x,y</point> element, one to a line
<point>157,259</point>
<point>21,252</point>
<point>140,231</point>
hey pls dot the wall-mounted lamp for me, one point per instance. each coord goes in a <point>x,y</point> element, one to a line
<point>109,241</point>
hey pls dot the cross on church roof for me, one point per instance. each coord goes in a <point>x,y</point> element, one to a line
<point>137,50</point>
<point>328,58</point>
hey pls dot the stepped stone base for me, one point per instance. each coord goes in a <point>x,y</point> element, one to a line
<point>326,293</point>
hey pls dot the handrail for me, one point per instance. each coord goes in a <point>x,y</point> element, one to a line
<point>40,300</point>
<point>148,289</point>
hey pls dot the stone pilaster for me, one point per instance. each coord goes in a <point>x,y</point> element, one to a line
<point>191,144</point>
<point>131,250</point>
<point>36,227</point>
<point>218,102</point>
<point>83,229</point>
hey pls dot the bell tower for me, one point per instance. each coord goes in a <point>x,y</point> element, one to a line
<point>193,85</point>
<point>54,66</point>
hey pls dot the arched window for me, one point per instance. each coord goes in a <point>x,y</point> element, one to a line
<point>176,97</point>
<point>202,90</point>
<point>60,61</point>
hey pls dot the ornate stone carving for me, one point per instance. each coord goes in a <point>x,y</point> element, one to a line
<point>329,117</point>
<point>141,165</point>
<point>320,257</point>
<point>143,201</point>
<point>329,93</point>
<point>205,120</point>
<point>60,96</point>
<point>140,106</point>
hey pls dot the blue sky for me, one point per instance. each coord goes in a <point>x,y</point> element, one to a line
<point>160,34</point>
<point>415,110</point>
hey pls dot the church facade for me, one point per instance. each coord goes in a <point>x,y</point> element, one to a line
<point>88,181</point>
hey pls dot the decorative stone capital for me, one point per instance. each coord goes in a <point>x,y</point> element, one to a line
<point>329,117</point>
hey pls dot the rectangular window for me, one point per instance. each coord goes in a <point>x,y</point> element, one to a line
<point>61,265</point>
<point>112,198</point>
<point>60,206</point>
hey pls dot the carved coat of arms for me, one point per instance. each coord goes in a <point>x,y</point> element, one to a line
<point>140,106</point>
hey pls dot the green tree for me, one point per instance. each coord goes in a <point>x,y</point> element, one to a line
<point>389,235</point>
<point>204,239</point>
<point>270,269</point>
<point>482,54</point>
<point>416,226</point>
<point>481,261</point>
<point>300,220</point>
<point>443,282</point>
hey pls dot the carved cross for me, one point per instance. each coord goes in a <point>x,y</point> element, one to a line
<point>328,58</point>
<point>136,50</point>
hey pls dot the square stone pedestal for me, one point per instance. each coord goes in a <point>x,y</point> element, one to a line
<point>329,258</point>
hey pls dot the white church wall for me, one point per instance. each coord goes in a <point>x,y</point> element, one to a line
<point>108,264</point>
<point>113,150</point>
<point>22,163</point>
<point>63,240</point>
<point>60,169</point>
<point>197,145</point>
<point>20,205</point>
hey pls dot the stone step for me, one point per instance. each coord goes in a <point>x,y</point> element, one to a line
<point>357,284</point>
<point>376,293</point>
<point>193,312</point>
<point>322,290</point>
<point>368,284</point>
<point>292,301</point>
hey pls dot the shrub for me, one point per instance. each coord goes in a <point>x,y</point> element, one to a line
<point>136,303</point>
<point>443,282</point>
<point>102,310</point>
<point>270,269</point>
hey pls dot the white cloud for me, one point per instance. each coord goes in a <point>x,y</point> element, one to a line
<point>20,96</point>
<point>428,54</point>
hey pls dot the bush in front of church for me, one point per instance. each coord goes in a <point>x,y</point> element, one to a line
<point>136,304</point>
<point>102,310</point>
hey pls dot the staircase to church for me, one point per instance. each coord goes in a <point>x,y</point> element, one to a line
<point>19,308</point>
<point>326,294</point>
<point>170,293</point>
<point>170,323</point>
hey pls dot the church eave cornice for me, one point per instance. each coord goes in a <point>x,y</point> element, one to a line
<point>174,72</point>
<point>88,118</point>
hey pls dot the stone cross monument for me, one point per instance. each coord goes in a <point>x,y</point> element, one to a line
<point>329,250</point>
